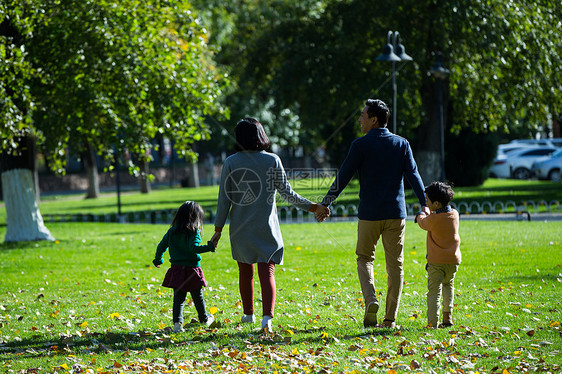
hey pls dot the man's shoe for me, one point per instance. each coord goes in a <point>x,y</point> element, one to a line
<point>248,318</point>
<point>178,327</point>
<point>370,319</point>
<point>388,324</point>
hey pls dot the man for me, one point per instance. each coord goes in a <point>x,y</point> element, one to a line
<point>381,159</point>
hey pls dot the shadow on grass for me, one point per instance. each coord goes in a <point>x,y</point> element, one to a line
<point>138,341</point>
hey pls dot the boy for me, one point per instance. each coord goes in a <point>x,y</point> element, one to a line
<point>443,251</point>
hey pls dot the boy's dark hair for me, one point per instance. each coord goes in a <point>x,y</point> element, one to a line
<point>377,108</point>
<point>250,136</point>
<point>188,218</point>
<point>439,191</point>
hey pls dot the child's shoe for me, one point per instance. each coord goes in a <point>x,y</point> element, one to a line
<point>248,318</point>
<point>447,320</point>
<point>266,323</point>
<point>178,327</point>
<point>210,320</point>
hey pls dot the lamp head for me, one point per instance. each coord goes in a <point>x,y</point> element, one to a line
<point>438,70</point>
<point>388,54</point>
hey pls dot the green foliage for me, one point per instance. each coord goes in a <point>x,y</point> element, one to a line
<point>319,63</point>
<point>92,301</point>
<point>115,74</point>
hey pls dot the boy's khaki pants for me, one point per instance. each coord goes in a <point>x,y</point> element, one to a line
<point>368,234</point>
<point>440,280</point>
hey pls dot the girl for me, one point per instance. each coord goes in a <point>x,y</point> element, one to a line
<point>185,275</point>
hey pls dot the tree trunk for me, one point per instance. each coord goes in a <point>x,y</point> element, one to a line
<point>193,180</point>
<point>144,181</point>
<point>89,158</point>
<point>19,187</point>
<point>429,134</point>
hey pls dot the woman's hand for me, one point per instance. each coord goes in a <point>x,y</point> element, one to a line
<point>321,212</point>
<point>215,239</point>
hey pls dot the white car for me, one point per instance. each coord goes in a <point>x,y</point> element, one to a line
<point>517,164</point>
<point>549,168</point>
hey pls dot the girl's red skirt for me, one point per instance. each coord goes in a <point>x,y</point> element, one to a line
<point>184,278</point>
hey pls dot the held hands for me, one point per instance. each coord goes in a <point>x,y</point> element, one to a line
<point>215,239</point>
<point>321,212</point>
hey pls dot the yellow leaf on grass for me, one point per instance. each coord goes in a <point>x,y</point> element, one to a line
<point>295,351</point>
<point>504,371</point>
<point>290,332</point>
<point>324,335</point>
<point>554,324</point>
<point>149,350</point>
<point>83,324</point>
<point>298,248</point>
<point>114,315</point>
<point>64,366</point>
<point>161,325</point>
<point>213,310</point>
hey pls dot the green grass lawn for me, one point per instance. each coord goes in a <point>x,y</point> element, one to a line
<point>91,302</point>
<point>492,190</point>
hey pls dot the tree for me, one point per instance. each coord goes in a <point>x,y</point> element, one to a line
<point>503,57</point>
<point>109,75</point>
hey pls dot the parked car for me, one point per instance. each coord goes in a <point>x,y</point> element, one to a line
<point>550,142</point>
<point>517,164</point>
<point>504,149</point>
<point>549,168</point>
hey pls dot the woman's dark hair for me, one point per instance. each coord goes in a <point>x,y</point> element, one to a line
<point>439,191</point>
<point>377,108</point>
<point>250,136</point>
<point>188,218</point>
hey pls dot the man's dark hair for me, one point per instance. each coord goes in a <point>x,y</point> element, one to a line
<point>439,191</point>
<point>377,108</point>
<point>250,136</point>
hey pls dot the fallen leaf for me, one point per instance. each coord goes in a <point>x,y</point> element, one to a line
<point>213,310</point>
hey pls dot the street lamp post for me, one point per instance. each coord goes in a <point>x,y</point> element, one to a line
<point>388,54</point>
<point>440,73</point>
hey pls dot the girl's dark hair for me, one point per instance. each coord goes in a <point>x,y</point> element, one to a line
<point>250,136</point>
<point>439,191</point>
<point>188,218</point>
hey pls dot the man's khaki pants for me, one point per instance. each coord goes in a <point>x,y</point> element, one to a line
<point>368,234</point>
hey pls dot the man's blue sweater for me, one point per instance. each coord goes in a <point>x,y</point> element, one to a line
<point>382,159</point>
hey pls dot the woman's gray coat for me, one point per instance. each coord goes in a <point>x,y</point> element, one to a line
<point>249,181</point>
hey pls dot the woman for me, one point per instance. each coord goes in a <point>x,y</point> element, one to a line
<point>249,181</point>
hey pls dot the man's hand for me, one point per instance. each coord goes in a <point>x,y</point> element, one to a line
<point>322,212</point>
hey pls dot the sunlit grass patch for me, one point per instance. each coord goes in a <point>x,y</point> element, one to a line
<point>92,302</point>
